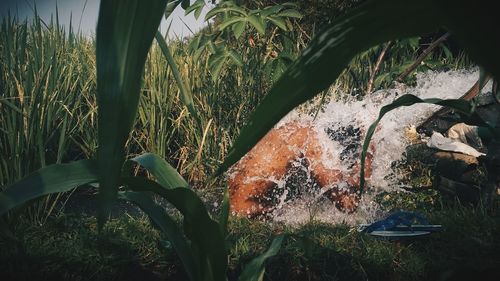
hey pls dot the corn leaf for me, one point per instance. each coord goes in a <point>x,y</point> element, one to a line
<point>167,225</point>
<point>254,270</point>
<point>165,174</point>
<point>207,239</point>
<point>51,179</point>
<point>197,7</point>
<point>125,31</point>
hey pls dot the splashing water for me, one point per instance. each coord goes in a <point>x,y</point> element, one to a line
<point>297,196</point>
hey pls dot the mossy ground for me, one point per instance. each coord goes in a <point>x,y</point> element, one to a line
<point>68,247</point>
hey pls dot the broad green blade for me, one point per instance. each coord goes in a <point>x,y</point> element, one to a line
<point>408,100</point>
<point>51,179</point>
<point>165,174</point>
<point>125,31</point>
<point>254,270</point>
<point>186,95</point>
<point>326,57</point>
<point>167,225</point>
<point>207,239</point>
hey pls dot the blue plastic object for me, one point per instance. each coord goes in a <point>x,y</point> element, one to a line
<point>400,225</point>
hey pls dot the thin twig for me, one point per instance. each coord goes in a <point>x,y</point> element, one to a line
<point>380,58</point>
<point>422,56</point>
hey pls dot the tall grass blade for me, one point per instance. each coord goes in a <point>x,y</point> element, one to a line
<point>186,95</point>
<point>125,31</point>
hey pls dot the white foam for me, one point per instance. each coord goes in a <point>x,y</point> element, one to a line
<point>389,141</point>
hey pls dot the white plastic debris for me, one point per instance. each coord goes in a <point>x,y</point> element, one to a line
<point>447,144</point>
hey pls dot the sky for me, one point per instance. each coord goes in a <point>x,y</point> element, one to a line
<point>84,15</point>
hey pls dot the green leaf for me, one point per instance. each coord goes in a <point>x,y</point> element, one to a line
<point>290,13</point>
<point>51,179</point>
<point>195,43</point>
<point>197,13</point>
<point>167,225</point>
<point>271,10</point>
<point>197,6</point>
<point>171,7</point>
<point>238,29</point>
<point>211,47</point>
<point>407,100</point>
<point>212,13</point>
<point>278,22</point>
<point>254,270</point>
<point>216,63</point>
<point>205,234</point>
<point>373,23</point>
<point>197,54</point>
<point>186,95</point>
<point>230,21</point>
<point>185,4</point>
<point>235,57</point>
<point>257,23</point>
<point>165,174</point>
<point>125,31</point>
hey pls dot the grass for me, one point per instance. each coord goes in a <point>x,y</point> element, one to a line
<point>68,248</point>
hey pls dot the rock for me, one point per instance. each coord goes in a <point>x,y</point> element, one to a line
<point>464,192</point>
<point>454,165</point>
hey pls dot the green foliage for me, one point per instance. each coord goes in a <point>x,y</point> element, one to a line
<point>233,18</point>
